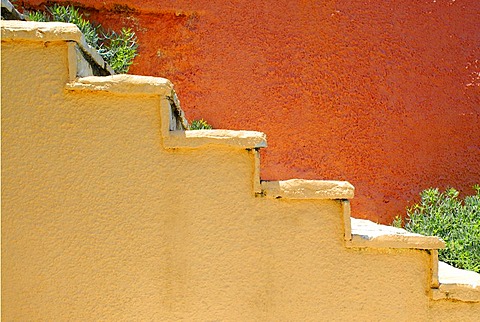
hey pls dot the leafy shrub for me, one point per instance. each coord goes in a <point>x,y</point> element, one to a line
<point>200,125</point>
<point>117,49</point>
<point>457,222</point>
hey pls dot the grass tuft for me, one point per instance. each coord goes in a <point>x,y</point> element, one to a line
<point>200,125</point>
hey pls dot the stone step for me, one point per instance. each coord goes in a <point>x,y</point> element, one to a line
<point>457,284</point>
<point>365,233</point>
<point>448,282</point>
<point>202,138</point>
<point>308,189</point>
<point>174,132</point>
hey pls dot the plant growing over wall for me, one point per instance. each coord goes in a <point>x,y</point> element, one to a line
<point>200,125</point>
<point>117,49</point>
<point>457,222</point>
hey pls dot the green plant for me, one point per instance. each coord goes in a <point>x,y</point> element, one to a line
<point>397,222</point>
<point>200,125</point>
<point>37,16</point>
<point>117,49</point>
<point>457,222</point>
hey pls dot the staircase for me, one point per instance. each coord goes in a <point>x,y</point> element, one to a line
<point>111,210</point>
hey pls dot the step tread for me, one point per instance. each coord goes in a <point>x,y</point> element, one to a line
<point>448,274</point>
<point>366,233</point>
<point>457,284</point>
<point>124,84</point>
<point>199,138</point>
<point>45,31</point>
<point>308,189</point>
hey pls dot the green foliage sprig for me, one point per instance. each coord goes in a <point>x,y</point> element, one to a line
<point>457,222</point>
<point>200,125</point>
<point>117,49</point>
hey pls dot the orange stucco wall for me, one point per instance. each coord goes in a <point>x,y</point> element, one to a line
<point>384,95</point>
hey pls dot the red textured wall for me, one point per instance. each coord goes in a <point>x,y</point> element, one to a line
<point>384,94</point>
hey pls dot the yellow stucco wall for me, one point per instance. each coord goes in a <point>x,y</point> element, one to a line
<point>101,222</point>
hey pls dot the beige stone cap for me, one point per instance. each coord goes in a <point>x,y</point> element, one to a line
<point>457,284</point>
<point>44,31</point>
<point>50,31</point>
<point>200,138</point>
<point>366,233</point>
<point>308,189</point>
<point>124,84</point>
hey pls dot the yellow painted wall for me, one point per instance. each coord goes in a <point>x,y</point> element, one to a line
<point>100,222</point>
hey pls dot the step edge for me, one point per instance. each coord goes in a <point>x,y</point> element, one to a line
<point>456,292</point>
<point>308,189</point>
<point>458,279</point>
<point>39,31</point>
<point>367,234</point>
<point>123,84</point>
<point>394,241</point>
<point>202,138</point>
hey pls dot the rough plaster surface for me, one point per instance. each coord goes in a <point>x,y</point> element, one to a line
<point>383,95</point>
<point>101,222</point>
